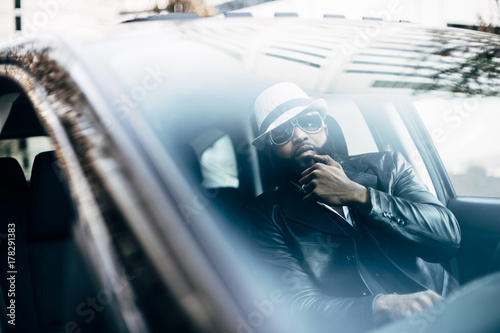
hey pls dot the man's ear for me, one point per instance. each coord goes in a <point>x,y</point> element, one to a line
<point>326,129</point>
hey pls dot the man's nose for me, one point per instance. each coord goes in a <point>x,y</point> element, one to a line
<point>299,135</point>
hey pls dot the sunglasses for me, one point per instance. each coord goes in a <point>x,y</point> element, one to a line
<point>311,122</point>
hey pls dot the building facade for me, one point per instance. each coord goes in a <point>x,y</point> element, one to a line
<point>26,18</point>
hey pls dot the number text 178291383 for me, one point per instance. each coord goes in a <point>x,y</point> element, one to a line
<point>11,273</point>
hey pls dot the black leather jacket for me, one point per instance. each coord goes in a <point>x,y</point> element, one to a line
<point>315,256</point>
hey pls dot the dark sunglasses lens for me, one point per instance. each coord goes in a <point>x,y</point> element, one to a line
<point>282,134</point>
<point>310,122</point>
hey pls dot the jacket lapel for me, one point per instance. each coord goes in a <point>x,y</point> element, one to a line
<point>365,179</point>
<point>311,215</point>
<point>357,172</point>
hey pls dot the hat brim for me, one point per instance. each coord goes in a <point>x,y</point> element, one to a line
<point>316,105</point>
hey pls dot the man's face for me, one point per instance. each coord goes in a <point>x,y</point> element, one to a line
<point>296,155</point>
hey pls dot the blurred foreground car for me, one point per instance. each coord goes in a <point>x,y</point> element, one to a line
<point>134,216</point>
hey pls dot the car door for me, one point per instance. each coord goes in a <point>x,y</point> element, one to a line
<point>458,141</point>
<point>451,142</point>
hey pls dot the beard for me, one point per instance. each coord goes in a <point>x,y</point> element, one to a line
<point>291,168</point>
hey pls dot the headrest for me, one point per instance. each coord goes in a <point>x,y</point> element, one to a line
<point>51,210</point>
<point>188,162</point>
<point>12,178</point>
<point>335,133</point>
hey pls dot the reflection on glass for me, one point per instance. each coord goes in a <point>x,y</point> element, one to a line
<point>465,132</point>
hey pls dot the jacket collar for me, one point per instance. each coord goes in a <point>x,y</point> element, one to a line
<point>312,215</point>
<point>357,172</point>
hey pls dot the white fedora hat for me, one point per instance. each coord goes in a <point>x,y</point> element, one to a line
<point>280,103</point>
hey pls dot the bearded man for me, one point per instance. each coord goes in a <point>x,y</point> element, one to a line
<point>354,241</point>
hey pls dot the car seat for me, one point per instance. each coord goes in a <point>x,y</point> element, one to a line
<point>226,204</point>
<point>52,280</point>
<point>42,215</point>
<point>50,245</point>
<point>335,133</point>
<point>13,217</point>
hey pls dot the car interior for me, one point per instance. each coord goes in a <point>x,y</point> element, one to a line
<point>226,193</point>
<point>35,197</point>
<point>37,206</point>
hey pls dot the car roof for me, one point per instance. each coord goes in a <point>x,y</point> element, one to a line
<point>328,55</point>
<point>324,56</point>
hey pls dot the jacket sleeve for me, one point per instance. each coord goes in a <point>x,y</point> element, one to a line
<point>412,215</point>
<point>279,267</point>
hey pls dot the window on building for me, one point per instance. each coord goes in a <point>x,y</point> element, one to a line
<point>17,3</point>
<point>18,23</point>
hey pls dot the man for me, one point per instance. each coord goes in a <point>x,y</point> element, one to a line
<point>355,241</point>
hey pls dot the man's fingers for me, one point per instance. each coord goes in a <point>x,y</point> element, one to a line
<point>321,161</point>
<point>325,159</point>
<point>393,307</point>
<point>308,174</point>
<point>307,188</point>
<point>309,196</point>
<point>305,174</point>
<point>426,299</point>
<point>434,298</point>
<point>306,178</point>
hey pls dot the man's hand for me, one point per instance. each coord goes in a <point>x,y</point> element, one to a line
<point>388,308</point>
<point>326,181</point>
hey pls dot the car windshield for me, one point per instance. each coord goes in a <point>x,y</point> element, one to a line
<point>205,106</point>
<point>162,124</point>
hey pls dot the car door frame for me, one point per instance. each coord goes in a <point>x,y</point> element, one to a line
<point>477,216</point>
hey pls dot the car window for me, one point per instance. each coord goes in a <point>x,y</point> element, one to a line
<point>218,164</point>
<point>407,145</point>
<point>390,133</point>
<point>465,133</point>
<point>24,150</point>
<point>357,135</point>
